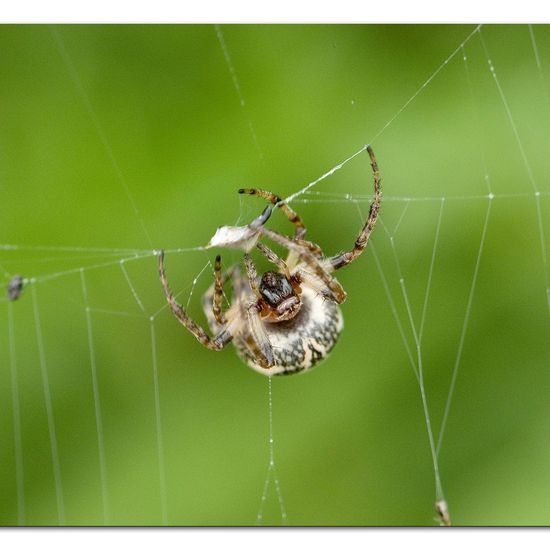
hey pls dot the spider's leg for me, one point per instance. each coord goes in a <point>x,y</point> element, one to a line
<point>218,291</point>
<point>335,292</point>
<point>252,275</point>
<point>212,298</point>
<point>274,259</point>
<point>343,259</point>
<point>299,227</point>
<point>258,341</point>
<point>217,343</point>
<point>294,257</point>
<point>315,249</point>
<point>303,276</point>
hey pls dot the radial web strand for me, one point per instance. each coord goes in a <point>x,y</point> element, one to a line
<point>271,476</point>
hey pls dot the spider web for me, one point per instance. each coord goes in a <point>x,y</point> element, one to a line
<point>472,200</point>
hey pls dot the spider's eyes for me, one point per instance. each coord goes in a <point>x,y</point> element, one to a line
<point>275,288</point>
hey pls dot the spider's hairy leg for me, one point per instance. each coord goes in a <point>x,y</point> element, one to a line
<point>312,281</point>
<point>215,293</point>
<point>299,227</point>
<point>343,259</point>
<point>218,291</point>
<point>220,341</point>
<point>274,259</point>
<point>315,249</point>
<point>294,218</point>
<point>258,342</point>
<point>334,290</point>
<point>252,275</point>
<point>293,257</point>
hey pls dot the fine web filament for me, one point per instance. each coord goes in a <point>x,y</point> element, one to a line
<point>49,410</point>
<point>271,475</point>
<point>322,197</point>
<point>430,273</point>
<point>16,411</point>
<point>538,62</point>
<point>418,365</point>
<point>527,165</point>
<point>339,166</point>
<point>99,129</point>
<point>132,288</point>
<point>158,426</point>
<point>237,86</point>
<point>97,404</point>
<point>473,285</point>
<point>464,329</point>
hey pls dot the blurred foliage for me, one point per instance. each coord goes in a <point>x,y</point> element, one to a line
<point>138,137</point>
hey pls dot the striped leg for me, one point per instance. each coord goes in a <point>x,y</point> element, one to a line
<point>218,291</point>
<point>212,298</point>
<point>252,275</point>
<point>274,259</point>
<point>221,340</point>
<point>299,227</point>
<point>343,259</point>
<point>258,340</point>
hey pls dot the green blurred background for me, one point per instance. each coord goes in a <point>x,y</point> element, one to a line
<point>138,137</point>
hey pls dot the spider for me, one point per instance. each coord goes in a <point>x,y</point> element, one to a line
<point>288,320</point>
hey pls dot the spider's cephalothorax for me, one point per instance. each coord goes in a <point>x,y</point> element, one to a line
<point>287,320</point>
<point>280,297</point>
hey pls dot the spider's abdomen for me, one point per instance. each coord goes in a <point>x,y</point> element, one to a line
<point>301,342</point>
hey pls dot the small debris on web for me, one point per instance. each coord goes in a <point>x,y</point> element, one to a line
<point>15,287</point>
<point>243,236</point>
<point>443,515</point>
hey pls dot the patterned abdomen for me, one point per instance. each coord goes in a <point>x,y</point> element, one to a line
<point>301,342</point>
